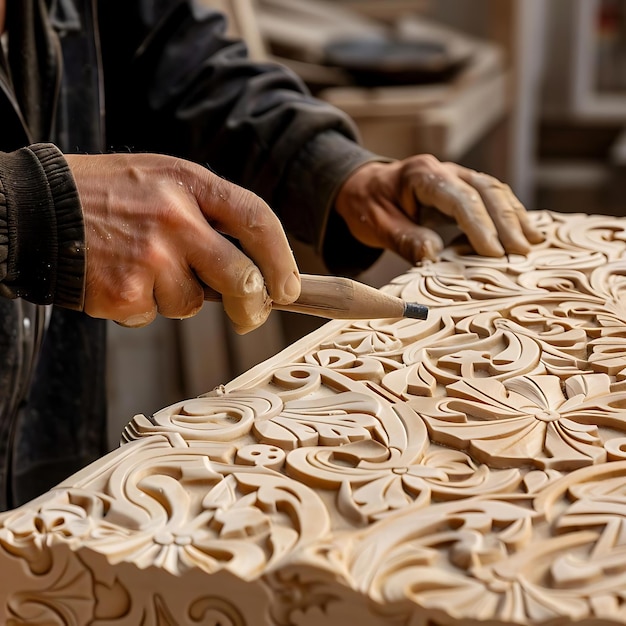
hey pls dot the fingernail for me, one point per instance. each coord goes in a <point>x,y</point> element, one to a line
<point>137,321</point>
<point>291,288</point>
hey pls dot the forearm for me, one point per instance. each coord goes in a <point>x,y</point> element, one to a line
<point>42,250</point>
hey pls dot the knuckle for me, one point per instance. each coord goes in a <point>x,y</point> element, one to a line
<point>508,215</point>
<point>113,289</point>
<point>180,170</point>
<point>253,214</point>
<point>130,293</point>
<point>517,205</point>
<point>136,173</point>
<point>178,164</point>
<point>427,160</point>
<point>221,188</point>
<point>156,257</point>
<point>127,303</point>
<point>421,164</point>
<point>488,182</point>
<point>175,202</point>
<point>257,214</point>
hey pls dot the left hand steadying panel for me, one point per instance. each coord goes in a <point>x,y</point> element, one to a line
<point>384,203</point>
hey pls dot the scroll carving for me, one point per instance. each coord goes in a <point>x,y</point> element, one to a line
<point>468,468</point>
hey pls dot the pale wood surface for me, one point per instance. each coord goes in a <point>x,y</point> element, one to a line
<point>467,469</point>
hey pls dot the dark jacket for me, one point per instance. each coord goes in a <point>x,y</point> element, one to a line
<point>139,75</point>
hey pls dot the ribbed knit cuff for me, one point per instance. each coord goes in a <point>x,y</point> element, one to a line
<point>46,242</point>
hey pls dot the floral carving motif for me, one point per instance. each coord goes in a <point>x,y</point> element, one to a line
<point>332,420</point>
<point>465,468</point>
<point>529,420</point>
<point>208,418</point>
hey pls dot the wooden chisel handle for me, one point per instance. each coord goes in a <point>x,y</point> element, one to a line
<point>334,297</point>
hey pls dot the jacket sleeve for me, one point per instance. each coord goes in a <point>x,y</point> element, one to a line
<point>42,249</point>
<point>176,84</point>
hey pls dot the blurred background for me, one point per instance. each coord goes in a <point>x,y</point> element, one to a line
<point>533,92</point>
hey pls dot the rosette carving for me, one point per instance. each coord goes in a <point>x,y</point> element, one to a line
<point>467,468</point>
<point>528,420</point>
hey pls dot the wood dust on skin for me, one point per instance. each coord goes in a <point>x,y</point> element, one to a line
<point>250,310</point>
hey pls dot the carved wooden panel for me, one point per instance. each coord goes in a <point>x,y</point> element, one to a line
<point>466,469</point>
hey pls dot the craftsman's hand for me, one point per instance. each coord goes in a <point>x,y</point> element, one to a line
<point>154,229</point>
<point>384,203</point>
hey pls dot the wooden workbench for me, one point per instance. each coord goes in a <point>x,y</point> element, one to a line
<point>467,469</point>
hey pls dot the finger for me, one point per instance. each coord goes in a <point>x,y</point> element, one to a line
<point>243,215</point>
<point>178,294</point>
<point>457,199</point>
<point>507,212</point>
<point>221,265</point>
<point>532,233</point>
<point>400,234</point>
<point>250,311</point>
<point>122,296</point>
<point>498,204</point>
<point>246,314</point>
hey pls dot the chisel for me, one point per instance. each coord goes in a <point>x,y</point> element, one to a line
<point>335,297</point>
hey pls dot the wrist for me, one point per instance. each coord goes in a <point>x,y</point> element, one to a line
<point>45,250</point>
